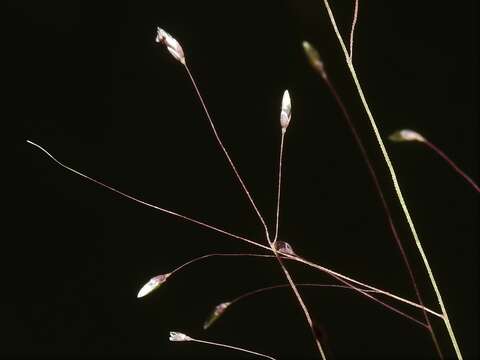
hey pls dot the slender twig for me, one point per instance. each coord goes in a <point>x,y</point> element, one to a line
<point>220,143</point>
<point>301,302</point>
<point>146,203</point>
<point>273,287</point>
<point>352,31</point>
<point>313,54</point>
<point>176,336</point>
<point>280,256</point>
<point>407,135</point>
<point>337,276</point>
<point>223,232</point>
<point>272,246</point>
<point>158,280</point>
<point>451,163</point>
<point>279,187</point>
<point>285,117</point>
<point>365,293</point>
<point>178,268</point>
<point>395,183</point>
<point>257,291</point>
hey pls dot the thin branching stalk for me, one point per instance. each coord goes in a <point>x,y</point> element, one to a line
<point>352,31</point>
<point>348,279</point>
<point>301,302</point>
<point>395,183</point>
<point>314,58</point>
<point>184,217</point>
<point>285,116</point>
<point>279,186</point>
<point>199,258</point>
<point>220,309</point>
<point>158,280</point>
<point>220,143</point>
<point>451,163</point>
<point>267,234</point>
<point>180,337</point>
<point>408,135</point>
<point>366,294</point>
<point>282,286</point>
<point>224,232</point>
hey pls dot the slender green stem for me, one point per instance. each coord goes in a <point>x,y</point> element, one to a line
<point>352,31</point>
<point>383,200</point>
<point>395,183</point>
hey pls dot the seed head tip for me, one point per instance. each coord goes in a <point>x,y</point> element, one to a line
<point>284,248</point>
<point>173,46</point>
<point>286,112</point>
<point>406,135</point>
<point>152,284</point>
<point>313,58</point>
<point>216,313</point>
<point>178,336</point>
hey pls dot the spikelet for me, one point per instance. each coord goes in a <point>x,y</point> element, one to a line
<point>152,284</point>
<point>286,112</point>
<point>172,45</point>
<point>178,336</point>
<point>406,135</point>
<point>313,58</point>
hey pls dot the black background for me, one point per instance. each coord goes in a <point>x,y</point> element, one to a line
<point>87,81</point>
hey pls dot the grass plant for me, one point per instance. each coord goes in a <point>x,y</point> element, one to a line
<point>272,248</point>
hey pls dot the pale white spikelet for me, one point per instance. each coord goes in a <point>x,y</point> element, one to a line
<point>314,58</point>
<point>216,313</point>
<point>152,284</point>
<point>406,135</point>
<point>286,112</point>
<point>171,43</point>
<point>178,336</point>
<point>284,248</point>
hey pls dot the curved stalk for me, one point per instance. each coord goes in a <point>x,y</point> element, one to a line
<point>396,185</point>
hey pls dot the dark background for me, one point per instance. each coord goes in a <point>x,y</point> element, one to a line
<point>87,81</point>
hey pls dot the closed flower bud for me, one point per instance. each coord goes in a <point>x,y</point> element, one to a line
<point>284,248</point>
<point>153,284</point>
<point>178,336</point>
<point>172,45</point>
<point>286,112</point>
<point>406,135</point>
<point>216,313</point>
<point>313,58</point>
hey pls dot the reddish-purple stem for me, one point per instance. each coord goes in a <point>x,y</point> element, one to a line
<point>184,217</point>
<point>279,186</point>
<point>452,164</point>
<point>385,206</point>
<point>230,161</point>
<point>346,286</point>
<point>221,231</point>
